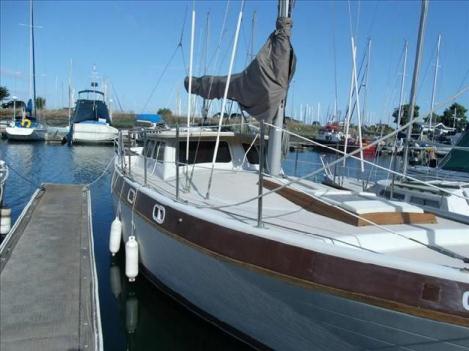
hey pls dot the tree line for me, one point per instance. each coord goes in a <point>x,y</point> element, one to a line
<point>454,116</point>
<point>5,94</point>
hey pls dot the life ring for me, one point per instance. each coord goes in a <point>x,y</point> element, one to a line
<point>26,123</point>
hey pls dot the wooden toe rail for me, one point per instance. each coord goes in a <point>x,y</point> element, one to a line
<point>312,204</point>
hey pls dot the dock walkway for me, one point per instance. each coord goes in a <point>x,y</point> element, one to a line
<point>48,282</point>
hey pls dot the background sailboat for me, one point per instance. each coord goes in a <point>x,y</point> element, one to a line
<point>29,127</point>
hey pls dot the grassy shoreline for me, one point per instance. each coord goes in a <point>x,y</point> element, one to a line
<point>57,118</point>
<point>124,120</point>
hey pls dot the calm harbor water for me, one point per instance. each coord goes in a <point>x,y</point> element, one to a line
<point>134,316</point>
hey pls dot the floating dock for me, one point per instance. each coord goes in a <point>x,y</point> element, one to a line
<point>48,282</point>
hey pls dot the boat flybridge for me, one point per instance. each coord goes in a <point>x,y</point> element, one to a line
<point>285,262</point>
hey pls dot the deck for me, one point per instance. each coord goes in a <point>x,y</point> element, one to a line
<point>48,282</point>
<point>294,224</point>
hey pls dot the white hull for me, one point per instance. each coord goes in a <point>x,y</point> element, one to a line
<point>91,133</point>
<point>26,134</point>
<point>276,313</point>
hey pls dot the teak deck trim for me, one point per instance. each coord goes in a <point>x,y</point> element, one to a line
<point>311,204</point>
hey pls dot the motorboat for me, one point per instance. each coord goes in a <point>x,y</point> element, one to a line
<point>91,121</point>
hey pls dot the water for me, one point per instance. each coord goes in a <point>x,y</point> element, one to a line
<point>303,163</point>
<point>134,316</point>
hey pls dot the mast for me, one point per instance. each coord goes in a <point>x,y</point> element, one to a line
<point>189,95</point>
<point>204,57</point>
<point>70,93</point>
<point>435,77</point>
<point>365,85</point>
<point>401,95</point>
<point>32,77</point>
<point>357,101</point>
<point>413,91</point>
<point>275,136</point>
<point>250,55</point>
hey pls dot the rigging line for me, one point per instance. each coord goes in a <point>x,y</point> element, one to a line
<point>184,60</point>
<point>225,95</point>
<point>350,17</point>
<point>216,54</point>
<point>181,36</point>
<point>373,19</point>
<point>465,76</point>
<point>102,173</point>
<point>179,45</point>
<point>322,236</point>
<point>160,77</point>
<point>427,68</point>
<point>334,51</point>
<point>117,97</point>
<point>19,174</point>
<point>351,155</point>
<point>358,19</point>
<point>361,77</point>
<point>222,34</point>
<point>345,156</point>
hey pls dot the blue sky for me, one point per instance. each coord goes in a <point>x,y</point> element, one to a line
<point>131,42</point>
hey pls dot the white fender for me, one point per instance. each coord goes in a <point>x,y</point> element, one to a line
<point>5,212</point>
<point>4,229</point>
<point>131,258</point>
<point>5,221</point>
<point>115,236</point>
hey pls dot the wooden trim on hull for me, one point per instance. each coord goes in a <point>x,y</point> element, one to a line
<point>311,204</point>
<point>416,294</point>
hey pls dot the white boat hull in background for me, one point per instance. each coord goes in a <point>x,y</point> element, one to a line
<point>26,134</point>
<point>93,133</point>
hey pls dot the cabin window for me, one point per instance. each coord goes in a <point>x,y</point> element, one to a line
<point>159,152</point>
<point>424,202</point>
<point>203,150</point>
<point>417,200</point>
<point>149,148</point>
<point>252,155</point>
<point>395,196</point>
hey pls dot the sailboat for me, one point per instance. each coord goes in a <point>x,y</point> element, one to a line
<point>29,128</point>
<point>446,188</point>
<point>282,262</point>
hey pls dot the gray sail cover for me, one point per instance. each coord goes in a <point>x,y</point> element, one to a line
<point>262,86</point>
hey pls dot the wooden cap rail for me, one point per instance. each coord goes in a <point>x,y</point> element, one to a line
<point>310,203</point>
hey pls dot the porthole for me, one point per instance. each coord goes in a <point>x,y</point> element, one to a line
<point>131,196</point>
<point>159,213</point>
<point>465,300</point>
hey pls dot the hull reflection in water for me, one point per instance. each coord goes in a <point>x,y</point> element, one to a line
<point>152,320</point>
